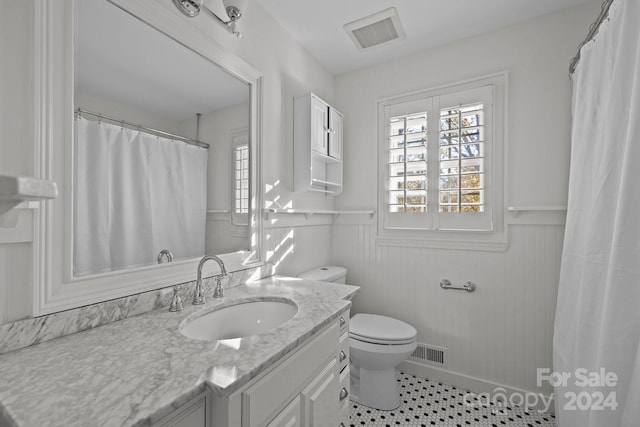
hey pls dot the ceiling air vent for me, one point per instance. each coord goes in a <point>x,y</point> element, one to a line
<point>376,30</point>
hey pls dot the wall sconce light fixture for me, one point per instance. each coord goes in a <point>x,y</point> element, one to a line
<point>234,8</point>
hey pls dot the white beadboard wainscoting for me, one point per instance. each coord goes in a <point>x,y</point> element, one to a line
<point>17,230</point>
<point>293,249</point>
<point>15,285</point>
<point>222,236</point>
<point>498,335</point>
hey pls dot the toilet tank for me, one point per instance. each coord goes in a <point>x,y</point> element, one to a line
<point>327,273</point>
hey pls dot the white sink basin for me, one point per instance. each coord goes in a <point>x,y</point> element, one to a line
<point>243,319</point>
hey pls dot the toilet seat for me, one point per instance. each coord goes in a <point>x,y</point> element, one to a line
<point>376,329</point>
<point>378,342</point>
<point>375,341</point>
<point>378,349</point>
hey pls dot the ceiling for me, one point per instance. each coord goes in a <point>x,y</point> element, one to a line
<point>317,24</point>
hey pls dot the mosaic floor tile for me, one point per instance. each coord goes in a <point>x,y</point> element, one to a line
<point>428,403</point>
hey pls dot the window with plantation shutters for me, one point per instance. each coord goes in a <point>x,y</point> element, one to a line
<point>441,160</point>
<point>461,175</point>
<point>408,163</point>
<point>240,162</point>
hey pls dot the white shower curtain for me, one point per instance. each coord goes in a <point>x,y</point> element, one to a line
<point>597,325</point>
<point>136,194</point>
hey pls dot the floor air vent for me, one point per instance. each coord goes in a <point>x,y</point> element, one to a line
<point>430,353</point>
<point>375,30</point>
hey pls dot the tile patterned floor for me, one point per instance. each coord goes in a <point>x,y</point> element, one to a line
<point>428,403</point>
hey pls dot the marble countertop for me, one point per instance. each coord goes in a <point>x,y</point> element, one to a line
<point>135,371</point>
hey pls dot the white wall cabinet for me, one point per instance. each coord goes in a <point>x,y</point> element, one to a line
<point>318,145</point>
<point>335,133</point>
<point>317,132</point>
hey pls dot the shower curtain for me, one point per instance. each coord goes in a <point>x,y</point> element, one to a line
<point>596,348</point>
<point>135,194</point>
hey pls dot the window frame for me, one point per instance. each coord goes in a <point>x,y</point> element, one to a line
<point>427,230</point>
<point>239,139</point>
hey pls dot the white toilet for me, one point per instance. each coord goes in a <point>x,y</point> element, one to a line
<point>377,344</point>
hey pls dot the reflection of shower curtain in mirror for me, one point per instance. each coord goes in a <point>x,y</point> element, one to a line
<point>136,194</point>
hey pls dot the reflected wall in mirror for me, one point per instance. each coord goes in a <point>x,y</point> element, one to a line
<point>161,153</point>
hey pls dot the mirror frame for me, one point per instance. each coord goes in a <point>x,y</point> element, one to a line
<point>55,288</point>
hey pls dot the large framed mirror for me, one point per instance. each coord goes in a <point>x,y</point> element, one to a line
<point>154,136</point>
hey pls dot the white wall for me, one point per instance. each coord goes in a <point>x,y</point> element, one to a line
<point>503,331</point>
<point>291,245</point>
<point>16,88</point>
<point>16,149</point>
<point>288,71</point>
<point>217,129</point>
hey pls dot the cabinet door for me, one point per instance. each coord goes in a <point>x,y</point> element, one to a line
<point>319,123</point>
<point>282,383</point>
<point>343,395</point>
<point>289,417</point>
<point>320,398</point>
<point>191,414</point>
<point>335,134</point>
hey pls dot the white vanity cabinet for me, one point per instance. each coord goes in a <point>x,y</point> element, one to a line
<point>306,388</point>
<point>343,368</point>
<point>289,417</point>
<point>318,398</point>
<point>191,414</point>
<point>318,145</point>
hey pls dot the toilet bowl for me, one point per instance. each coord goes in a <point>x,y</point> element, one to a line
<point>377,345</point>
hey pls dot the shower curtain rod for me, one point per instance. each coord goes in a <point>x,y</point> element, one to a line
<point>593,30</point>
<point>144,128</point>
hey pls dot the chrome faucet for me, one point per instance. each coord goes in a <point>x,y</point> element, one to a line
<point>176,301</point>
<point>198,296</point>
<point>167,253</point>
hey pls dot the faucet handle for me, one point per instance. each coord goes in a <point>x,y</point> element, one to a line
<point>218,293</point>
<point>176,301</point>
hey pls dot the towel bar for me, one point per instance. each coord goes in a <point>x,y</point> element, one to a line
<point>468,286</point>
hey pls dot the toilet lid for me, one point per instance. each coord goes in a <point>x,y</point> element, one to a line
<point>381,329</point>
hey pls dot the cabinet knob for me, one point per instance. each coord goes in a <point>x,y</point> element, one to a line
<point>342,425</point>
<point>342,356</point>
<point>342,321</point>
<point>344,393</point>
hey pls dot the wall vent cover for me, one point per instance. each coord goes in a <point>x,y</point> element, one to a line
<point>376,30</point>
<point>431,354</point>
